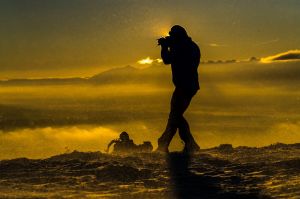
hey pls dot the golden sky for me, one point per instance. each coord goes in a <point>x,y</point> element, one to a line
<point>79,37</point>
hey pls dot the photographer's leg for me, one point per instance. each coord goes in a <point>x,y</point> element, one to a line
<point>173,122</point>
<point>166,137</point>
<point>187,137</point>
<point>184,129</point>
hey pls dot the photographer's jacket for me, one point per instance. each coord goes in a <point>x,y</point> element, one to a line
<point>184,57</point>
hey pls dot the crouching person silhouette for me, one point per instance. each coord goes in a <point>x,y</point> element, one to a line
<point>183,54</point>
<point>126,145</point>
<point>122,145</point>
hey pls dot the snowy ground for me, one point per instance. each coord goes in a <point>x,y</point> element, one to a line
<point>268,172</point>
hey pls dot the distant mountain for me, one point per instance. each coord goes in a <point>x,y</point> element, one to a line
<point>116,75</point>
<point>113,75</point>
<point>44,81</point>
<point>127,75</point>
<point>273,73</point>
<point>125,69</point>
<point>132,75</point>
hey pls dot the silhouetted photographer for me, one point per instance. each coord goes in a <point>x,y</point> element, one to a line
<point>183,54</point>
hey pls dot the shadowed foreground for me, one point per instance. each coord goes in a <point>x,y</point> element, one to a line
<point>223,172</point>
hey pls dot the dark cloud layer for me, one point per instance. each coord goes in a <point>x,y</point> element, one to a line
<point>285,56</point>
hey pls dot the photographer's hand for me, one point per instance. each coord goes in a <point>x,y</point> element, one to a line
<point>165,54</point>
<point>162,42</point>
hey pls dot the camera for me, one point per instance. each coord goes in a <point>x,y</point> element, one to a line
<point>164,41</point>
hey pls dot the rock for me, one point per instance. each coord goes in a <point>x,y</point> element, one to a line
<point>121,173</point>
<point>225,148</point>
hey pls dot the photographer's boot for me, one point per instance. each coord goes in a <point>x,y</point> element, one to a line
<point>163,145</point>
<point>191,148</point>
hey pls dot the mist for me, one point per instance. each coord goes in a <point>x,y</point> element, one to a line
<point>246,103</point>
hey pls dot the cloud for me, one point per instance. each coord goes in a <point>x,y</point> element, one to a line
<point>262,92</point>
<point>286,132</point>
<point>285,56</point>
<point>159,60</point>
<point>216,45</point>
<point>149,61</point>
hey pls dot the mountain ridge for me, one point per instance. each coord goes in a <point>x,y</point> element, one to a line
<point>70,80</point>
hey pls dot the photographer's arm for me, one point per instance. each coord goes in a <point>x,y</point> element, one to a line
<point>112,142</point>
<point>165,54</point>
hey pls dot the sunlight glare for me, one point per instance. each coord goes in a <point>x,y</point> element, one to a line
<point>147,60</point>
